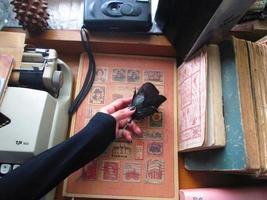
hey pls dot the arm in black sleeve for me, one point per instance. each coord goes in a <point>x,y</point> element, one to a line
<point>41,174</point>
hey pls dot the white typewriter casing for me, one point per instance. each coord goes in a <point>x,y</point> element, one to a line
<point>38,120</point>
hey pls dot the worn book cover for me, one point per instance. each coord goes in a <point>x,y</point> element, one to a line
<point>200,116</point>
<point>147,167</point>
<point>192,102</point>
<point>6,66</point>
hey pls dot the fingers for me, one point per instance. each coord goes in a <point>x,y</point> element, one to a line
<point>116,105</point>
<point>135,129</point>
<point>127,135</point>
<point>123,123</point>
<point>124,133</point>
<point>132,127</point>
<point>123,114</point>
<point>121,103</point>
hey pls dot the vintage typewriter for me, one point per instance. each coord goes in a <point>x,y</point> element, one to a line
<point>36,102</point>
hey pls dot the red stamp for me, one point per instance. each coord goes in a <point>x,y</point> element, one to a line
<point>110,171</point>
<point>132,172</point>
<point>155,171</point>
<point>89,171</point>
<point>139,150</point>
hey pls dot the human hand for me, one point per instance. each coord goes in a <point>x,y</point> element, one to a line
<point>121,112</point>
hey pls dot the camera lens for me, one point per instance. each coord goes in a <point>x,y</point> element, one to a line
<point>114,6</point>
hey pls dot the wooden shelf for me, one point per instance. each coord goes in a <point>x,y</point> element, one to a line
<point>69,41</point>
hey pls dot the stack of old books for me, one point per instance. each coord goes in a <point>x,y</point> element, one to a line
<point>222,109</point>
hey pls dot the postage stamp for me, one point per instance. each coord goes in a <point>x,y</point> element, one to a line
<point>121,150</point>
<point>156,120</point>
<point>119,75</point>
<point>110,170</point>
<point>97,95</point>
<point>155,171</point>
<point>155,148</point>
<point>133,76</point>
<point>139,150</point>
<point>153,134</point>
<point>156,77</point>
<point>101,75</point>
<point>89,171</point>
<point>132,172</point>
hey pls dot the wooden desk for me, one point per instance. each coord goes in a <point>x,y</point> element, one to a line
<point>68,45</point>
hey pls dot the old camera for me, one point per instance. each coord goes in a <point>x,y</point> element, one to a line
<point>117,15</point>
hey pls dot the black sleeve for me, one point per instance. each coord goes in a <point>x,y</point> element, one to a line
<point>42,173</point>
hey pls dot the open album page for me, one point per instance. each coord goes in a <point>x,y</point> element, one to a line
<point>147,167</point>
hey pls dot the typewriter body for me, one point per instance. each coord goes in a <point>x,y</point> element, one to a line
<point>36,101</point>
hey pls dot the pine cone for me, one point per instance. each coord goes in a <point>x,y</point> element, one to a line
<point>31,14</point>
